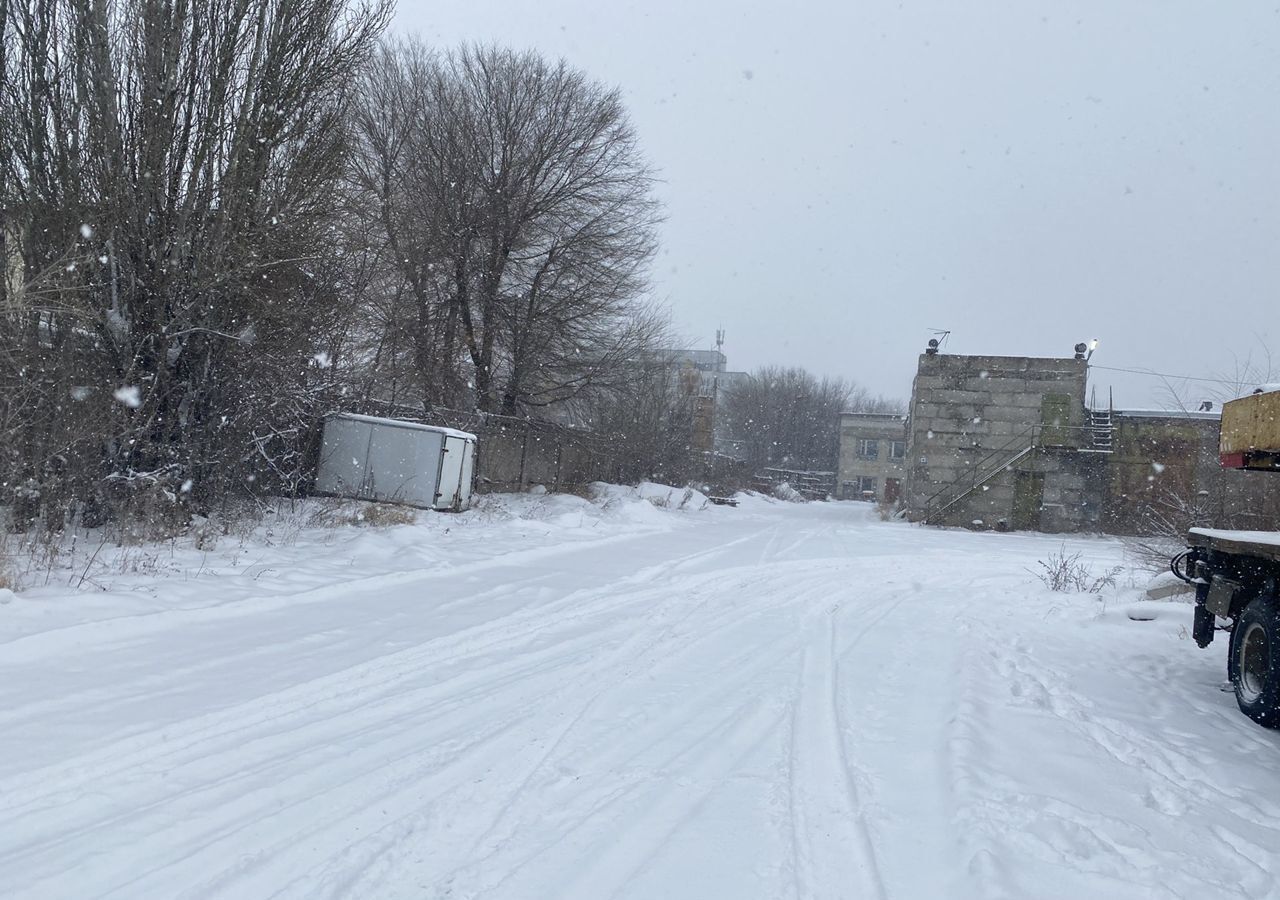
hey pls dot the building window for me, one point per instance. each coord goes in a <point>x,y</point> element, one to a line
<point>897,449</point>
<point>868,448</point>
<point>864,487</point>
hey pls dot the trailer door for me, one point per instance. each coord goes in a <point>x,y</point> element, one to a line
<point>452,459</point>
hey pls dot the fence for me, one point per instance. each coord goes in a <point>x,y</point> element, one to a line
<point>513,454</point>
<point>811,485</point>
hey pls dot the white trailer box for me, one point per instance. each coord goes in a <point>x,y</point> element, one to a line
<point>368,458</point>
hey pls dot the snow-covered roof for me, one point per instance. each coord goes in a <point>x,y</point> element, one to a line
<point>875,417</point>
<point>1213,415</point>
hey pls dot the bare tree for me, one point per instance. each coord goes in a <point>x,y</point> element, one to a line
<point>789,417</point>
<point>169,176</point>
<point>1246,375</point>
<point>515,204</point>
<point>648,421</point>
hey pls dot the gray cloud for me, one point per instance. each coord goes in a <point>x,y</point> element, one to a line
<point>841,177</point>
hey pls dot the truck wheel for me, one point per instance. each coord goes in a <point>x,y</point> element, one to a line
<point>1255,661</point>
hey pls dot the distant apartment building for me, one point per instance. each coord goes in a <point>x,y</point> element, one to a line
<point>704,377</point>
<point>873,456</point>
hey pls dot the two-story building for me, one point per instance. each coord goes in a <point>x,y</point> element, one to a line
<point>873,455</point>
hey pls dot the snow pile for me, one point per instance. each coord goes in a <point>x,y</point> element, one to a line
<point>305,545</point>
<point>1169,587</point>
<point>787,493</point>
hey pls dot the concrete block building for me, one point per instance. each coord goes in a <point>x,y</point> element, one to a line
<point>1008,442</point>
<point>873,455</point>
<point>1004,442</point>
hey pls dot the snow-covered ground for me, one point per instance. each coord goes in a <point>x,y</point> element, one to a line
<point>556,698</point>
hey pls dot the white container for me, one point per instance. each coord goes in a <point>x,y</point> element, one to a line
<point>369,458</point>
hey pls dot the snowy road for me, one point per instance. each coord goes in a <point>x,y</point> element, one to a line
<point>776,701</point>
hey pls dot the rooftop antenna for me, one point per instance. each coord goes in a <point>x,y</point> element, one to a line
<point>719,339</point>
<point>941,335</point>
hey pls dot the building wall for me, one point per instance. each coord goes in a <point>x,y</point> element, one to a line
<point>971,415</point>
<point>1165,475</point>
<point>861,476</point>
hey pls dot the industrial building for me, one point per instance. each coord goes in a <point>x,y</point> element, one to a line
<point>1009,442</point>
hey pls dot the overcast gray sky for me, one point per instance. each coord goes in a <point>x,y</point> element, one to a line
<point>840,178</point>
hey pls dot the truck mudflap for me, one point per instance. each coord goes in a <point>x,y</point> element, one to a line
<point>1186,565</point>
<point>1202,626</point>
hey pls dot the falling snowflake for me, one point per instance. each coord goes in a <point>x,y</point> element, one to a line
<point>129,395</point>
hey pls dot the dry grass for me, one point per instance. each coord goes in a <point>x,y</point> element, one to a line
<point>7,579</point>
<point>584,491</point>
<point>371,515</point>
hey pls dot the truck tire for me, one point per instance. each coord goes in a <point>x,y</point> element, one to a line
<point>1254,662</point>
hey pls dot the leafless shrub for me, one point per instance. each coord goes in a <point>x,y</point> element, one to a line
<point>1152,554</point>
<point>584,491</point>
<point>145,508</point>
<point>887,510</point>
<point>1066,573</point>
<point>7,579</point>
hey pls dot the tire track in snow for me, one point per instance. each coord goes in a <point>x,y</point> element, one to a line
<point>403,830</point>
<point>328,715</point>
<point>580,823</point>
<point>627,842</point>
<point>444,747</point>
<point>278,770</point>
<point>354,683</point>
<point>829,833</point>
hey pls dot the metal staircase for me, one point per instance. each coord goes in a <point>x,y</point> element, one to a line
<point>939,504</point>
<point>1095,436</point>
<point>987,468</point>
<point>1100,430</point>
